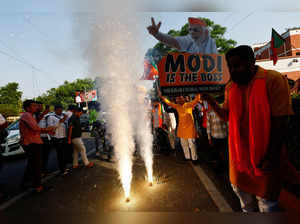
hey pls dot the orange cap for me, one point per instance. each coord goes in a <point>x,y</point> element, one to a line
<point>196,21</point>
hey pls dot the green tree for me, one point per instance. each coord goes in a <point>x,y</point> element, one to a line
<point>217,32</point>
<point>65,94</point>
<point>10,94</point>
<point>10,99</point>
<point>9,110</point>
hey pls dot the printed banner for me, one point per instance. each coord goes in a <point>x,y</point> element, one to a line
<point>86,97</point>
<point>185,73</point>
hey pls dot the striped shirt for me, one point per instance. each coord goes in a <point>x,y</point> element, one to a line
<point>54,120</point>
<point>216,127</point>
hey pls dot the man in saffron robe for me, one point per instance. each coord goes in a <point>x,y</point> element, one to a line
<point>186,127</point>
<point>257,105</point>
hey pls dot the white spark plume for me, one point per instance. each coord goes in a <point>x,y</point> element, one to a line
<point>113,55</point>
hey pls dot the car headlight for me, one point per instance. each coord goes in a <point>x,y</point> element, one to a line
<point>13,139</point>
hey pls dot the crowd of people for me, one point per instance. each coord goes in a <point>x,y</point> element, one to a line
<point>253,121</point>
<point>42,130</point>
<point>256,108</point>
<point>190,127</point>
<point>242,132</point>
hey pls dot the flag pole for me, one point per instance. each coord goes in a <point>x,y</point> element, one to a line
<point>284,48</point>
<point>156,82</point>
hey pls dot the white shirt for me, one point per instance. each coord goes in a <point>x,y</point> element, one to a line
<point>187,44</point>
<point>53,120</point>
<point>43,124</point>
<point>173,120</point>
<point>78,99</point>
<point>69,114</point>
<point>2,120</point>
<point>216,127</point>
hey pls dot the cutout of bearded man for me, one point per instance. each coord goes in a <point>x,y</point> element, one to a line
<point>197,41</point>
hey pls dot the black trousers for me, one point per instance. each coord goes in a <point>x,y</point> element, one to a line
<point>219,150</point>
<point>34,164</point>
<point>60,145</point>
<point>1,161</point>
<point>178,150</point>
<point>69,153</point>
<point>161,140</point>
<point>204,133</point>
<point>45,153</point>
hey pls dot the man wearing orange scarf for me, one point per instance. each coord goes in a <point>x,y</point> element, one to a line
<point>257,105</point>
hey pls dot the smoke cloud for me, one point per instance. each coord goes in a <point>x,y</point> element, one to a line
<point>113,55</point>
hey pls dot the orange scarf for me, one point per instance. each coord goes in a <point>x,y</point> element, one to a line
<point>247,155</point>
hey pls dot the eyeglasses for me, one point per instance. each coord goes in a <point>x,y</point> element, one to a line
<point>195,29</point>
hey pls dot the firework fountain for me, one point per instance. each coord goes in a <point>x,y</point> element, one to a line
<point>113,53</point>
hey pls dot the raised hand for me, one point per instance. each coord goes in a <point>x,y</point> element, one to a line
<point>153,29</point>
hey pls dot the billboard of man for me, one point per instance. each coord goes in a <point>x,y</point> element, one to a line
<point>197,41</point>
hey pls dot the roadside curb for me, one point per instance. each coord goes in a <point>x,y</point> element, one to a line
<point>216,196</point>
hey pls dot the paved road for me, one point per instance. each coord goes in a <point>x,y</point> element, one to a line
<point>176,188</point>
<point>12,174</point>
<point>13,169</point>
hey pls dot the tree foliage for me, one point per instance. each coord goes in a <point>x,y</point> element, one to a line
<point>217,32</point>
<point>10,94</point>
<point>10,99</point>
<point>8,110</point>
<point>65,94</point>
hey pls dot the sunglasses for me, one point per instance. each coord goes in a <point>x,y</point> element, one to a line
<point>195,29</point>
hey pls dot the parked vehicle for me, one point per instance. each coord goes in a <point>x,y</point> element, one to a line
<point>11,145</point>
<point>104,147</point>
<point>85,123</point>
